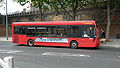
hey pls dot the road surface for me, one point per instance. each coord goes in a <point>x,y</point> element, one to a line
<point>60,57</point>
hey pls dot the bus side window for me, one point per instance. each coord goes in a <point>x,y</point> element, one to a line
<point>40,31</point>
<point>74,31</point>
<point>23,30</point>
<point>51,31</point>
<point>17,30</point>
<point>30,31</point>
<point>62,31</point>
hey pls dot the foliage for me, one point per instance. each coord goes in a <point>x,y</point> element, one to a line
<point>118,4</point>
<point>115,4</point>
<point>41,4</point>
<point>98,2</point>
<point>1,2</point>
<point>66,5</point>
<point>22,2</point>
<point>74,5</point>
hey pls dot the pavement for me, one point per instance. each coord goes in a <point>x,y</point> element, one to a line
<point>5,39</point>
<point>112,43</point>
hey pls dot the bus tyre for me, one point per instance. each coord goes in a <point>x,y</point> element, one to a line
<point>74,44</point>
<point>31,42</point>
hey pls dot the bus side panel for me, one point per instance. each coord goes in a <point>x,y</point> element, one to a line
<point>51,44</point>
<point>19,39</point>
<point>85,42</point>
<point>14,38</point>
<point>51,41</point>
<point>97,42</point>
<point>89,43</point>
<point>23,39</point>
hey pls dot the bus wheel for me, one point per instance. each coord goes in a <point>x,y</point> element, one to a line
<point>74,44</point>
<point>31,42</point>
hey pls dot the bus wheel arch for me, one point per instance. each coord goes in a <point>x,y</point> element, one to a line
<point>74,44</point>
<point>30,42</point>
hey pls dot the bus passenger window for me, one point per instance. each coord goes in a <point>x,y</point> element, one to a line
<point>23,30</point>
<point>17,30</point>
<point>30,31</point>
<point>62,31</point>
<point>40,31</point>
<point>51,30</point>
<point>74,31</point>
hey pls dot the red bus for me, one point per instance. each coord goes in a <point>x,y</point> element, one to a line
<point>63,33</point>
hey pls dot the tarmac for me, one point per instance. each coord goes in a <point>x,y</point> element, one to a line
<point>112,42</point>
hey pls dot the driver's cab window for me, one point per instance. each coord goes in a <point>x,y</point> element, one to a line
<point>88,31</point>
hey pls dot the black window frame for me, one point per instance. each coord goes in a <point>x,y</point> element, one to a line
<point>91,36</point>
<point>67,28</point>
<point>36,31</point>
<point>30,35</point>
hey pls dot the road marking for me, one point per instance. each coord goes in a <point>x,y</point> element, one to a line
<point>10,51</point>
<point>118,56</point>
<point>65,54</point>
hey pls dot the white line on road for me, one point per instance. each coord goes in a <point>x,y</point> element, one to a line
<point>118,56</point>
<point>10,51</point>
<point>65,54</point>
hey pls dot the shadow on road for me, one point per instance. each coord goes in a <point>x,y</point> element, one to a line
<point>59,47</point>
<point>101,48</point>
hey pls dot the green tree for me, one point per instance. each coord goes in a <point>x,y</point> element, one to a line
<point>1,3</point>
<point>73,5</point>
<point>108,20</point>
<point>1,0</point>
<point>41,4</point>
<point>112,5</point>
<point>61,5</point>
<point>66,5</point>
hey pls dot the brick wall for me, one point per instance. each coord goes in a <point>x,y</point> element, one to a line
<point>3,30</point>
<point>114,29</point>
